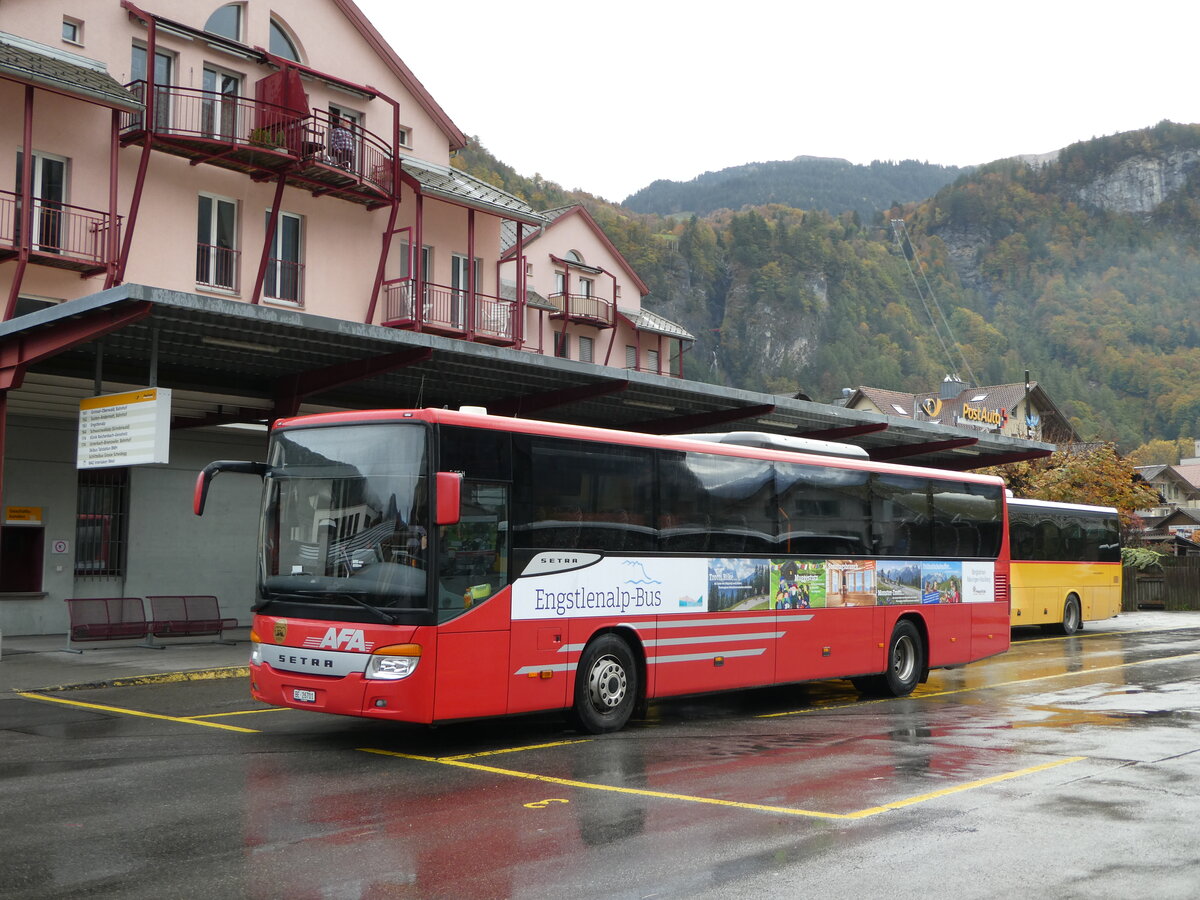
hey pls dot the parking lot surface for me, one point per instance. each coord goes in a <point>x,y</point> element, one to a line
<point>1068,767</point>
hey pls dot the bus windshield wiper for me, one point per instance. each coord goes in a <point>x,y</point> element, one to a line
<point>312,595</point>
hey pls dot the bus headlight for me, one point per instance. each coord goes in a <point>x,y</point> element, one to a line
<point>255,649</point>
<point>393,663</point>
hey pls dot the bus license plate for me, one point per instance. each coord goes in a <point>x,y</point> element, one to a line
<point>304,696</point>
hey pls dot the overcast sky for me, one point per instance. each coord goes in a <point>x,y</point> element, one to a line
<point>609,95</point>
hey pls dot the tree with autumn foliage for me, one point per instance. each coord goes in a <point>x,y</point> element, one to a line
<point>1095,475</point>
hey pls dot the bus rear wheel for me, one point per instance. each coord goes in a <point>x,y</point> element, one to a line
<point>606,686</point>
<point>905,663</point>
<point>1072,619</point>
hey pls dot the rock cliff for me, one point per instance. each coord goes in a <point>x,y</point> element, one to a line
<point>1140,183</point>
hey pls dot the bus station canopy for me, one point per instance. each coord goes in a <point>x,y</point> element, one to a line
<point>230,362</point>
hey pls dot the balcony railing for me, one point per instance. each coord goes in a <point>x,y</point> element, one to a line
<point>269,135</point>
<point>583,308</point>
<point>445,309</point>
<point>74,233</point>
<point>284,281</point>
<point>218,267</point>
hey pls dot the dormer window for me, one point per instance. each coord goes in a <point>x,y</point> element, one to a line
<point>226,22</point>
<point>282,44</point>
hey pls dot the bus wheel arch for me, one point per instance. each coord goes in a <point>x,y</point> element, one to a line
<point>609,682</point>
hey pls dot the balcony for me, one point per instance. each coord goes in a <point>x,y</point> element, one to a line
<point>584,308</point>
<point>444,311</point>
<point>264,141</point>
<point>64,236</point>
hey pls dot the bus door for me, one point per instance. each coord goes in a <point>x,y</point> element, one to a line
<point>473,666</point>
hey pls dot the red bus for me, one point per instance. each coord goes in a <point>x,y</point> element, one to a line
<point>434,565</point>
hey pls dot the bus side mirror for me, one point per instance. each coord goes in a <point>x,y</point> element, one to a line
<point>209,472</point>
<point>449,498</point>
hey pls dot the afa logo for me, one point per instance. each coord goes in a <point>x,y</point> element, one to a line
<point>340,639</point>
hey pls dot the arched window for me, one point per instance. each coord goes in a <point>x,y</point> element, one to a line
<point>282,44</point>
<point>226,21</point>
<point>574,256</point>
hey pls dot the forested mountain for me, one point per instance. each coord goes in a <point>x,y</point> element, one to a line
<point>806,182</point>
<point>1084,270</point>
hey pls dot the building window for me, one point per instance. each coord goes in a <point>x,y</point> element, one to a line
<point>585,348</point>
<point>72,31</point>
<point>285,268</point>
<point>404,137</point>
<point>21,558</point>
<point>226,22</point>
<point>562,345</point>
<point>630,356</point>
<point>560,282</point>
<point>652,361</point>
<point>585,286</point>
<point>217,256</point>
<point>101,517</point>
<point>281,43</point>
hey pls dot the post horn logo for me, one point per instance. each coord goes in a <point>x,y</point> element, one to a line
<point>932,407</point>
<point>280,630</point>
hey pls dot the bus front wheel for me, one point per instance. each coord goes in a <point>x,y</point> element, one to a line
<point>606,686</point>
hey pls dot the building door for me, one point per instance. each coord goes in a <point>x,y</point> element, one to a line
<point>220,108</point>
<point>459,284</point>
<point>49,194</point>
<point>284,272</point>
<point>216,243</point>
<point>163,64</point>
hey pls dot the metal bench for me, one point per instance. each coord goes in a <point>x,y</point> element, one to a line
<point>186,615</point>
<point>108,619</point>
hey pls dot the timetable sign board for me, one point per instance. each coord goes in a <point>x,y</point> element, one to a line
<point>124,429</point>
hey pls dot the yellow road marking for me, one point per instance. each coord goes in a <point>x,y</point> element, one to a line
<point>984,687</point>
<point>713,801</point>
<point>517,749</point>
<point>982,782</point>
<point>241,712</point>
<point>29,695</point>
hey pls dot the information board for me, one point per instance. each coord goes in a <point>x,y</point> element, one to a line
<point>127,429</point>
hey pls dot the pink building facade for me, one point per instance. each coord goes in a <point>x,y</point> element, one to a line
<point>584,300</point>
<point>285,158</point>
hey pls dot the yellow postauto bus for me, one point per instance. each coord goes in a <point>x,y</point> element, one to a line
<point>1066,564</point>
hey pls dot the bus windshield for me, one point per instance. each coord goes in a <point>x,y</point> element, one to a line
<point>346,517</point>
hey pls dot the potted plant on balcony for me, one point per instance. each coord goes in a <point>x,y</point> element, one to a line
<point>265,137</point>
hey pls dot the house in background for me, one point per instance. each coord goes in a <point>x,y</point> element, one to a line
<point>1017,410</point>
<point>589,299</point>
<point>1175,490</point>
